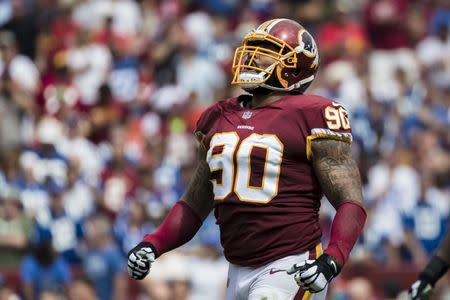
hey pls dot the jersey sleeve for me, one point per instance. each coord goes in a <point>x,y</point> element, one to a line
<point>326,119</point>
<point>206,122</point>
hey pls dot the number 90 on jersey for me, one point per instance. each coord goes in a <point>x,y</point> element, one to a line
<point>234,160</point>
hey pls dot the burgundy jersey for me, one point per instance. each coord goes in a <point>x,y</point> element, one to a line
<point>267,197</point>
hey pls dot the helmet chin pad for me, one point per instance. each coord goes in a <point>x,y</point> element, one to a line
<point>250,81</point>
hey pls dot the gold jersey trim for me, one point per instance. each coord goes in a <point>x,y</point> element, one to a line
<point>337,137</point>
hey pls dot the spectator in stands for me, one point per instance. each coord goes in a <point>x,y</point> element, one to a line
<point>18,83</point>
<point>90,62</point>
<point>15,229</point>
<point>388,33</point>
<point>173,279</point>
<point>426,223</point>
<point>131,225</point>
<point>341,37</point>
<point>23,23</point>
<point>207,261</point>
<point>52,295</point>
<point>118,180</point>
<point>44,270</point>
<point>433,54</point>
<point>43,158</point>
<point>103,263</point>
<point>6,292</point>
<point>64,232</point>
<point>360,289</point>
<point>78,197</point>
<point>81,288</point>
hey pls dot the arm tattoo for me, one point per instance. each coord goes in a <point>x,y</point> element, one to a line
<point>199,194</point>
<point>336,171</point>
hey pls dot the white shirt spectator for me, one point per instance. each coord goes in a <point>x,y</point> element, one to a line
<point>434,53</point>
<point>49,164</point>
<point>79,201</point>
<point>167,96</point>
<point>91,161</point>
<point>125,14</point>
<point>216,272</point>
<point>403,181</point>
<point>23,71</point>
<point>200,28</point>
<point>350,89</point>
<point>432,50</point>
<point>91,64</point>
<point>201,76</point>
<point>35,203</point>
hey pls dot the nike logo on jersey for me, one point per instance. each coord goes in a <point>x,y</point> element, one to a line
<point>273,271</point>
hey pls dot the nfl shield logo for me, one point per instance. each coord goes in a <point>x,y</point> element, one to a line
<point>247,115</point>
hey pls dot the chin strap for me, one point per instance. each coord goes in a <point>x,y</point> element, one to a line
<point>249,87</point>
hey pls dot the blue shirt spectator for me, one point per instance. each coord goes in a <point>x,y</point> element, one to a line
<point>131,226</point>
<point>62,230</point>
<point>103,263</point>
<point>101,266</point>
<point>428,224</point>
<point>44,270</point>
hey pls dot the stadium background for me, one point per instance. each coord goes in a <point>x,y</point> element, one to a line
<point>98,100</point>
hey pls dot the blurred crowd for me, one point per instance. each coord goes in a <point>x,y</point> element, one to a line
<point>99,99</point>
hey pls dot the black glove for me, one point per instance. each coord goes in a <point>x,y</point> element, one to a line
<point>420,290</point>
<point>140,259</point>
<point>314,275</point>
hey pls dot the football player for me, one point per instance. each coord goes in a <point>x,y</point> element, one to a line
<point>437,266</point>
<point>266,159</point>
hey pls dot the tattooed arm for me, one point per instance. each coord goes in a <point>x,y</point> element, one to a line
<point>199,194</point>
<point>339,178</point>
<point>336,171</point>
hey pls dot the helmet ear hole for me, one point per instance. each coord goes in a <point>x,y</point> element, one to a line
<point>279,72</point>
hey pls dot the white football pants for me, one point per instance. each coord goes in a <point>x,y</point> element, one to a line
<point>270,282</point>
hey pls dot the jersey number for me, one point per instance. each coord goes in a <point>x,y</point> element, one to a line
<point>236,172</point>
<point>337,118</point>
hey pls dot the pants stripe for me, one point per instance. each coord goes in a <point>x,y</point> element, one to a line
<point>302,294</point>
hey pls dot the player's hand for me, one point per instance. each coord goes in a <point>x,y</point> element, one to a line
<point>140,259</point>
<point>420,290</point>
<point>314,275</point>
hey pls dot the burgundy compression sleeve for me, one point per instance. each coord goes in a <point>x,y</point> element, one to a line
<point>348,224</point>
<point>178,228</point>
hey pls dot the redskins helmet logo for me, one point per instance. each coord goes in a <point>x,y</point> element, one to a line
<point>307,45</point>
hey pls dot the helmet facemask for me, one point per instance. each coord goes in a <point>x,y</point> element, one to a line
<point>246,71</point>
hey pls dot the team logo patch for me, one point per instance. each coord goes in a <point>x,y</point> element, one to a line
<point>247,115</point>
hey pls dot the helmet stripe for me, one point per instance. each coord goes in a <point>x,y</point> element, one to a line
<point>275,22</point>
<point>264,25</point>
